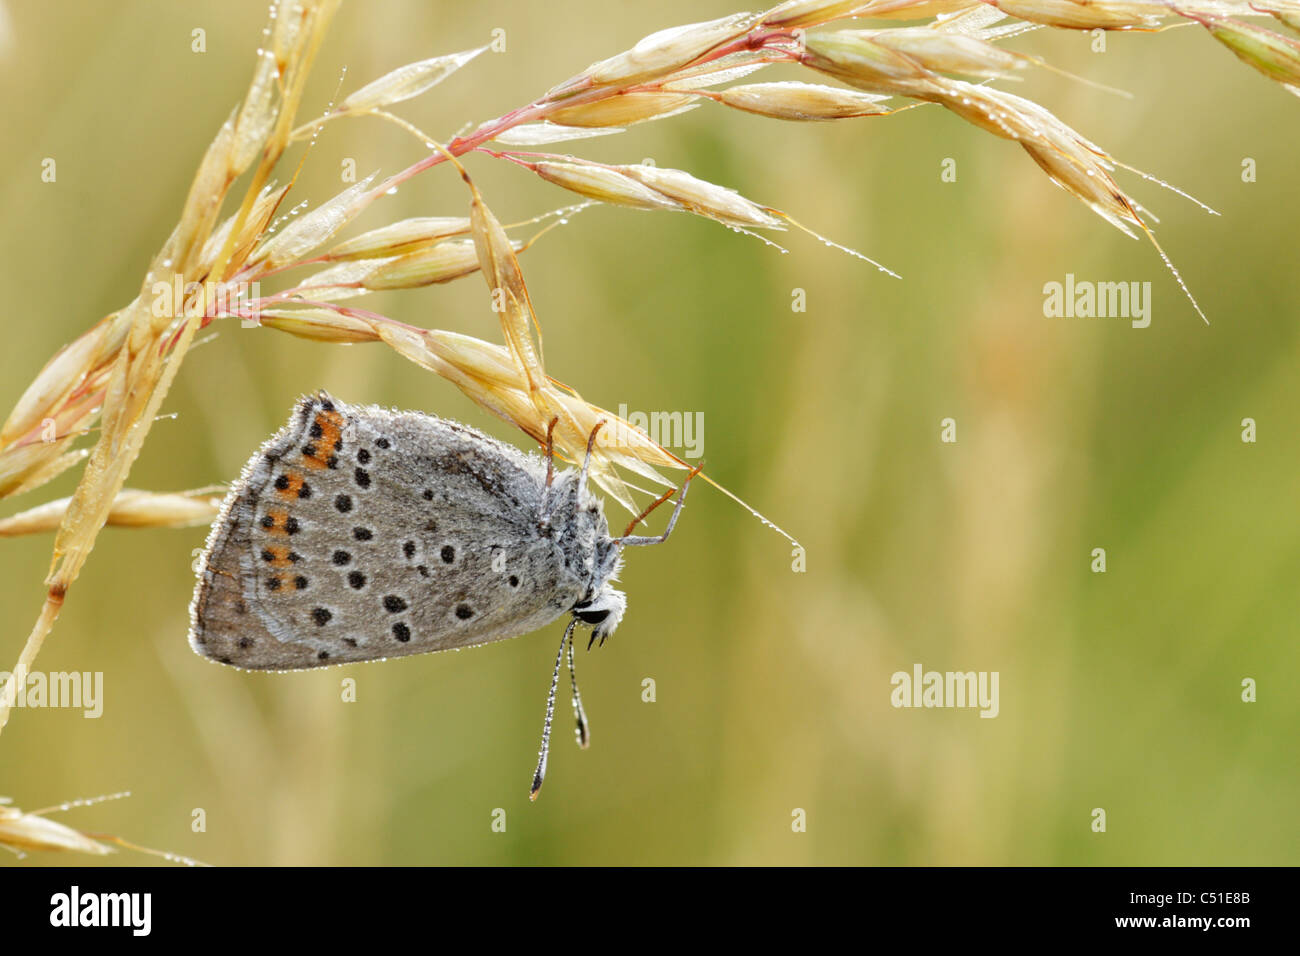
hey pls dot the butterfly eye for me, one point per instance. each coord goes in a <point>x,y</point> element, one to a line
<point>591,617</point>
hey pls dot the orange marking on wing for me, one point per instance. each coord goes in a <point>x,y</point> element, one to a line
<point>331,427</point>
<point>294,486</point>
<point>279,518</point>
<point>279,557</point>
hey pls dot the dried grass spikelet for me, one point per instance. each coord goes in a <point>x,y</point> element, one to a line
<point>639,186</point>
<point>252,228</point>
<point>603,184</point>
<point>131,509</point>
<point>512,382</point>
<point>319,325</point>
<point>651,187</point>
<point>624,109</point>
<point>313,230</point>
<point>702,197</point>
<point>344,280</point>
<point>1088,14</point>
<point>44,452</point>
<point>407,81</point>
<point>399,238</point>
<point>22,832</point>
<point>799,14</point>
<point>440,263</point>
<point>1080,166</point>
<point>1077,164</point>
<point>133,376</point>
<point>490,375</point>
<point>658,54</point>
<point>1287,11</point>
<point>945,52</point>
<point>801,101</point>
<point>1275,55</point>
<point>60,403</point>
<point>727,68</point>
<point>905,60</point>
<point>545,133</point>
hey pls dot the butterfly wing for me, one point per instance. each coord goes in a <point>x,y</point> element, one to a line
<point>358,534</point>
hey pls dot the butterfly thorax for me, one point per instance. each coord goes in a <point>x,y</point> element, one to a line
<point>582,536</point>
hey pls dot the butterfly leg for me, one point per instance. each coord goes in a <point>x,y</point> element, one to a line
<point>547,507</point>
<point>630,540</point>
<point>586,462</point>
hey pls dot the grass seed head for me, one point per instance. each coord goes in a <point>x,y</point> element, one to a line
<point>1271,53</point>
<point>702,197</point>
<point>603,184</point>
<point>1087,14</point>
<point>407,81</point>
<point>313,229</point>
<point>22,832</point>
<point>443,262</point>
<point>398,238</point>
<point>622,110</point>
<point>801,101</point>
<point>950,52</point>
<point>666,51</point>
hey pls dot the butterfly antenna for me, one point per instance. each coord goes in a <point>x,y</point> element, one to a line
<point>583,730</point>
<point>539,774</point>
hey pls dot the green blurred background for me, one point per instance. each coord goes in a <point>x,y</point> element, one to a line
<point>1118,690</point>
